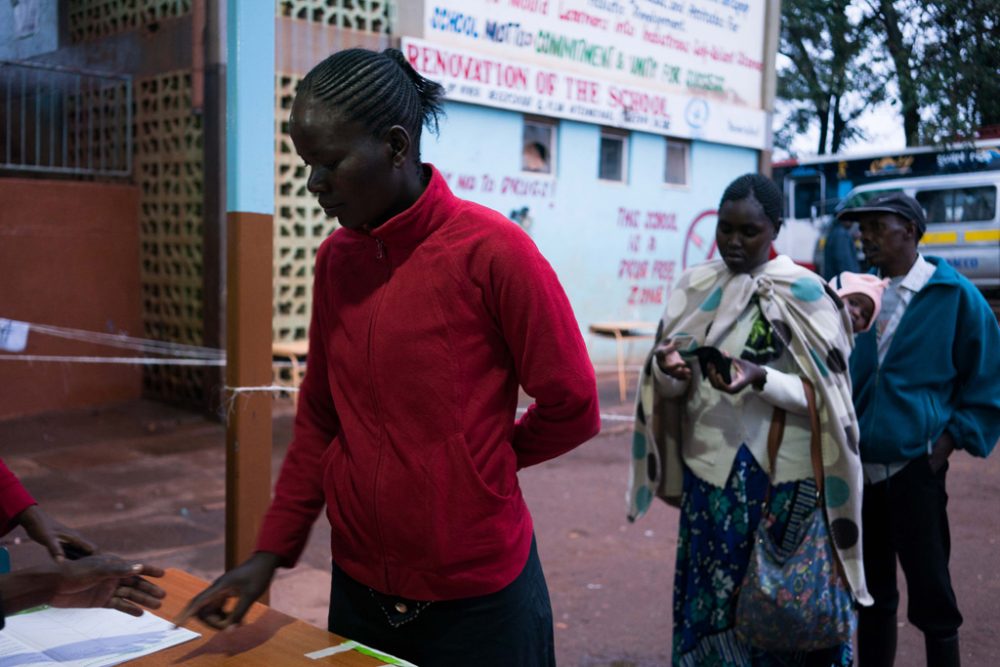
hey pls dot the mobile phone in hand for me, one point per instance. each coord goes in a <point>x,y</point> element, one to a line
<point>682,342</point>
<point>712,355</point>
<point>74,552</point>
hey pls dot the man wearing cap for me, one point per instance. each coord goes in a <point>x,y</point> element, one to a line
<point>926,382</point>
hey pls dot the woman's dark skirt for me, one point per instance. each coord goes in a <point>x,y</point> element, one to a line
<point>717,527</point>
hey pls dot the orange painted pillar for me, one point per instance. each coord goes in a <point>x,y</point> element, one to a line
<point>249,266</point>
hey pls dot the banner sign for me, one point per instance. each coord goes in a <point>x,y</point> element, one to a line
<point>473,77</point>
<point>703,48</point>
<point>13,335</point>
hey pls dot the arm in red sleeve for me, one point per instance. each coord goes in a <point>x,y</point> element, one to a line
<point>14,499</point>
<point>549,354</point>
<point>298,493</point>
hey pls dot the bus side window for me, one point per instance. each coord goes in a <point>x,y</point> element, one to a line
<point>959,205</point>
<point>938,205</point>
<point>978,204</point>
<point>807,195</point>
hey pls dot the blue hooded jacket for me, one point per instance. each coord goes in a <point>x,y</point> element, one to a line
<point>942,371</point>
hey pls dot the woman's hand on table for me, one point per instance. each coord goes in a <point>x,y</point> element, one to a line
<point>245,582</point>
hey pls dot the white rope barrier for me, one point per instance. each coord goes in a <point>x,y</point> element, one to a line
<point>135,361</point>
<point>182,355</point>
<point>617,418</point>
<point>125,342</point>
<point>138,361</point>
<point>273,389</point>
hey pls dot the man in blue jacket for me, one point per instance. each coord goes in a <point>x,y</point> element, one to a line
<point>926,382</point>
<point>839,254</point>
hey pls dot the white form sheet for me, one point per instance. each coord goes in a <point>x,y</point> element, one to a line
<point>84,637</point>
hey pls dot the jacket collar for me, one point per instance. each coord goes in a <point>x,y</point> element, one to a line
<point>918,275</point>
<point>944,273</point>
<point>409,228</point>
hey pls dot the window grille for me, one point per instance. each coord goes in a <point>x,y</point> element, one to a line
<point>60,120</point>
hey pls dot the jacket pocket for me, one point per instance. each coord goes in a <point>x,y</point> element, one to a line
<point>334,469</point>
<point>457,518</point>
<point>458,451</point>
<point>930,419</point>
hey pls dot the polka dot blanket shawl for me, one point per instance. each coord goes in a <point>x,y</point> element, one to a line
<point>805,314</point>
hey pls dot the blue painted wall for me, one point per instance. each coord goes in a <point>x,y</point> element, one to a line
<point>43,39</point>
<point>617,247</point>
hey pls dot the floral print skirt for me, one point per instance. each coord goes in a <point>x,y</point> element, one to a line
<point>713,552</point>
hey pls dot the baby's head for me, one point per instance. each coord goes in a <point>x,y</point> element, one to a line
<point>862,295</point>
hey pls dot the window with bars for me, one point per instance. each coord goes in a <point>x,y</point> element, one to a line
<point>61,120</point>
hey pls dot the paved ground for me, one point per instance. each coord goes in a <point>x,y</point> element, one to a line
<point>147,481</point>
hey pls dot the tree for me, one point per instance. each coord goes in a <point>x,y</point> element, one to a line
<point>961,68</point>
<point>902,52</point>
<point>831,79</point>
<point>947,62</point>
<point>943,55</point>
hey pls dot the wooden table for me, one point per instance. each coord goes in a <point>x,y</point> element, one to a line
<point>622,331</point>
<point>267,638</point>
<point>295,351</point>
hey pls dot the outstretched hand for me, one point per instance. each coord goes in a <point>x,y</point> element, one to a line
<point>51,534</point>
<point>246,582</point>
<point>107,581</point>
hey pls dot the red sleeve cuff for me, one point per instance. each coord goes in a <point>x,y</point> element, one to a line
<point>14,499</point>
<point>288,549</point>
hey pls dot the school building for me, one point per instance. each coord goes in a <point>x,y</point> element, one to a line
<point>606,129</point>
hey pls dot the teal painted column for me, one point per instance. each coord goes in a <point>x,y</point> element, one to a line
<point>250,106</point>
<point>249,266</point>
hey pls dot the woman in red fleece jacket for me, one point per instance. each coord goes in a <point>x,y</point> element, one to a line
<point>428,313</point>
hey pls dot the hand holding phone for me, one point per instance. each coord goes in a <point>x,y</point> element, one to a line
<point>708,355</point>
<point>682,342</point>
<point>74,551</point>
<point>668,357</point>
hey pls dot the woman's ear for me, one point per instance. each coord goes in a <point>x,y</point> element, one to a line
<point>400,145</point>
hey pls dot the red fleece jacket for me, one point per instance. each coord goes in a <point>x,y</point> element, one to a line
<point>420,336</point>
<point>14,499</point>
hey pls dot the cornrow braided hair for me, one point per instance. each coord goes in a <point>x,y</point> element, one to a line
<point>377,89</point>
<point>762,189</point>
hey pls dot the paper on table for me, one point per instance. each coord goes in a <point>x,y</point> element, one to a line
<point>351,645</point>
<point>85,637</point>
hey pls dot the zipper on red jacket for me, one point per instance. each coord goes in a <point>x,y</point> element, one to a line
<point>382,257</point>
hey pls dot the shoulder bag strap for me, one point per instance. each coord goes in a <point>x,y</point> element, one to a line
<point>816,453</point>
<point>774,436</point>
<point>777,432</point>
